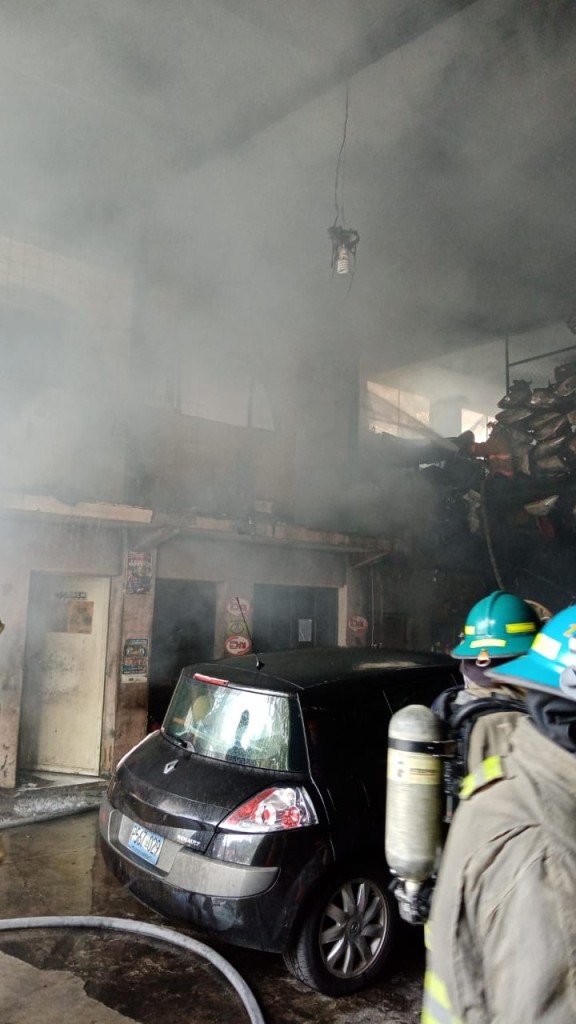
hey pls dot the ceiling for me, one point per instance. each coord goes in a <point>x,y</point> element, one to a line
<point>206,134</point>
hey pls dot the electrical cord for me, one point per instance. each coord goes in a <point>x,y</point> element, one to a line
<point>150,931</point>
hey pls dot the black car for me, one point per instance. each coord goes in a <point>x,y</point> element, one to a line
<point>256,813</point>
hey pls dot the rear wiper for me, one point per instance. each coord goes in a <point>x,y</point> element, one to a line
<point>185,744</point>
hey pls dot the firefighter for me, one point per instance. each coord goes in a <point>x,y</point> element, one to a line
<point>497,451</point>
<point>499,627</point>
<point>502,934</point>
<point>477,721</point>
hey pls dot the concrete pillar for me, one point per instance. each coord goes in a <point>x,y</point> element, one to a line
<point>13,612</point>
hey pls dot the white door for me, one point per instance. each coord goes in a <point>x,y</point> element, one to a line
<point>61,723</point>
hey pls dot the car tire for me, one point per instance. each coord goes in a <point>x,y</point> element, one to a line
<point>347,933</point>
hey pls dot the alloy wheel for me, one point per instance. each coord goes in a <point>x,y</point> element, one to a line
<point>353,928</point>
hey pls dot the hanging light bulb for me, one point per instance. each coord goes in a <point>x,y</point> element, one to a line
<point>343,260</point>
<point>344,242</point>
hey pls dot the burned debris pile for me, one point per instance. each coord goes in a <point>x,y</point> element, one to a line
<point>540,423</point>
<point>529,484</point>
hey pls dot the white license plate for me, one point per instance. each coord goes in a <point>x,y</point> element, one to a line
<point>144,843</point>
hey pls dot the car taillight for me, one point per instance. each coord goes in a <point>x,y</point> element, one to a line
<point>273,810</point>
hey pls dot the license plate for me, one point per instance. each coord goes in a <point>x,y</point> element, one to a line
<point>144,843</point>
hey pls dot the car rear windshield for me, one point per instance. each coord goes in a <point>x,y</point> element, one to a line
<point>216,719</point>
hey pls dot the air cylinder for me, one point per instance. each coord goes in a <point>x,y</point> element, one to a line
<point>414,793</point>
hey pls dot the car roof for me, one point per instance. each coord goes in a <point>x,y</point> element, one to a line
<point>302,670</point>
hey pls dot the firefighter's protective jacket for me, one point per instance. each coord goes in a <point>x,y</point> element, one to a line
<point>491,733</point>
<point>502,933</point>
<point>497,450</point>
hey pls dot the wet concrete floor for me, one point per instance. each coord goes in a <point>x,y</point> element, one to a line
<point>54,868</point>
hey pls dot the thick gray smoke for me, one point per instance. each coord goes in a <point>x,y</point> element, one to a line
<point>167,182</point>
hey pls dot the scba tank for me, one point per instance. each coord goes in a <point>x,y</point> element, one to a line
<point>414,793</point>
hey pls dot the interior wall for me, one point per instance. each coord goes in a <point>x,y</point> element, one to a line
<point>172,458</point>
<point>237,567</point>
<point>250,562</point>
<point>91,549</point>
<point>65,325</point>
<point>475,377</point>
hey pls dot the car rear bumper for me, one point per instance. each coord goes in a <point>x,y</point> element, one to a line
<point>252,906</point>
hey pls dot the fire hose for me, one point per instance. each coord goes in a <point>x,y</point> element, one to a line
<point>487,533</point>
<point>150,931</point>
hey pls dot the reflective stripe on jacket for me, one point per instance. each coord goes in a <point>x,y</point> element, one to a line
<point>436,1008</point>
<point>488,771</point>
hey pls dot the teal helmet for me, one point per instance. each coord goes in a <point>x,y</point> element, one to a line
<point>550,664</point>
<point>499,626</point>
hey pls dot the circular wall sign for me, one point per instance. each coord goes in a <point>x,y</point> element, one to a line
<point>234,605</point>
<point>237,645</point>
<point>357,624</point>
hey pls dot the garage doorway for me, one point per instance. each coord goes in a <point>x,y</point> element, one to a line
<point>64,673</point>
<point>294,617</point>
<point>182,633</point>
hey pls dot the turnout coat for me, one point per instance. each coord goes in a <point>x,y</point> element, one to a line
<point>502,932</point>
